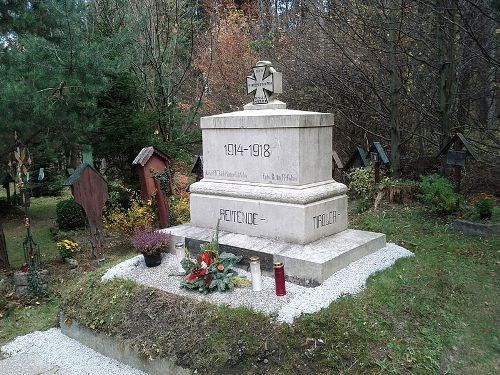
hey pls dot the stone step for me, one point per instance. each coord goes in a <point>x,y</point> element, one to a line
<point>305,264</point>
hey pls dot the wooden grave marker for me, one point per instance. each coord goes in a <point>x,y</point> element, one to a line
<point>457,150</point>
<point>378,157</point>
<point>147,162</point>
<point>90,191</point>
<point>357,160</point>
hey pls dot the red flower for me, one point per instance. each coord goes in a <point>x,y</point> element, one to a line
<point>196,274</point>
<point>24,268</point>
<point>207,258</point>
<point>220,267</point>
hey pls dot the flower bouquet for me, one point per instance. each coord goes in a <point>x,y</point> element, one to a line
<point>211,271</point>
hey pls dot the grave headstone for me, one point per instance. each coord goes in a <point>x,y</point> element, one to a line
<point>148,162</point>
<point>268,178</point>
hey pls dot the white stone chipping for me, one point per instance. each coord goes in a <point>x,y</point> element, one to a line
<point>66,355</point>
<point>298,300</point>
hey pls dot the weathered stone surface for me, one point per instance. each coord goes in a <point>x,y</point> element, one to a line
<point>267,118</point>
<point>304,194</point>
<point>118,349</point>
<point>469,227</point>
<point>295,223</point>
<point>21,278</point>
<point>306,264</point>
<point>274,104</point>
<point>72,263</point>
<point>282,156</point>
<point>21,290</point>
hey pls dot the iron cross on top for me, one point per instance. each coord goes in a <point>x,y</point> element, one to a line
<point>265,82</point>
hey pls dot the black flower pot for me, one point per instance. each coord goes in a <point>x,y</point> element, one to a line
<point>152,260</point>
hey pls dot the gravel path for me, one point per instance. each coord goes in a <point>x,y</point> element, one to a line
<point>298,300</point>
<point>51,352</point>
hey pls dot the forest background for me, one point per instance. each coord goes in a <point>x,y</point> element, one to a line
<point>114,76</point>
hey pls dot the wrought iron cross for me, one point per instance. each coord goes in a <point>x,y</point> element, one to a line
<point>264,86</point>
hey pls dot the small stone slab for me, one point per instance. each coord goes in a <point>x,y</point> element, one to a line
<point>308,264</point>
<point>480,229</point>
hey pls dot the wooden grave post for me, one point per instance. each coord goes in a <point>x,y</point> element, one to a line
<point>198,167</point>
<point>90,191</point>
<point>457,149</point>
<point>147,162</point>
<point>378,157</point>
<point>4,255</point>
<point>357,160</point>
<point>337,164</point>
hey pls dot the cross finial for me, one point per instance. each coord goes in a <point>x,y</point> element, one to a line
<point>265,82</point>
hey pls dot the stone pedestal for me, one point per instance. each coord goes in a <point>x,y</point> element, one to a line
<point>294,214</point>
<point>305,264</point>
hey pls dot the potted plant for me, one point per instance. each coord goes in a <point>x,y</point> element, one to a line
<point>485,203</point>
<point>150,243</point>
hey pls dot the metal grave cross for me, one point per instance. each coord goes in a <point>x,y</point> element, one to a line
<point>264,87</point>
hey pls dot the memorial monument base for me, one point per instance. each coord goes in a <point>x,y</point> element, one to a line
<point>305,264</point>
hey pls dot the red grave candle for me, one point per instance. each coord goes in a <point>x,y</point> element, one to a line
<point>279,278</point>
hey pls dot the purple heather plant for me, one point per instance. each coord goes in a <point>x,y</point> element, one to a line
<point>149,242</point>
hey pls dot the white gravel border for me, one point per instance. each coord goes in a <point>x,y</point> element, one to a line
<point>59,350</point>
<point>298,300</point>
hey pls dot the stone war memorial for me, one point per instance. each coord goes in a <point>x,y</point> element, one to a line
<point>267,181</point>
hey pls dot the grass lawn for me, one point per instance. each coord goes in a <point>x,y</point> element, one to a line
<point>434,313</point>
<point>43,217</point>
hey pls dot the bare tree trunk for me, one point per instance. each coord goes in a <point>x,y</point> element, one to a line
<point>4,256</point>
<point>447,30</point>
<point>395,87</point>
<point>492,80</point>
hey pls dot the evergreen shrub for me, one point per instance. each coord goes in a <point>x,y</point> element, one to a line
<point>69,215</point>
<point>437,193</point>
